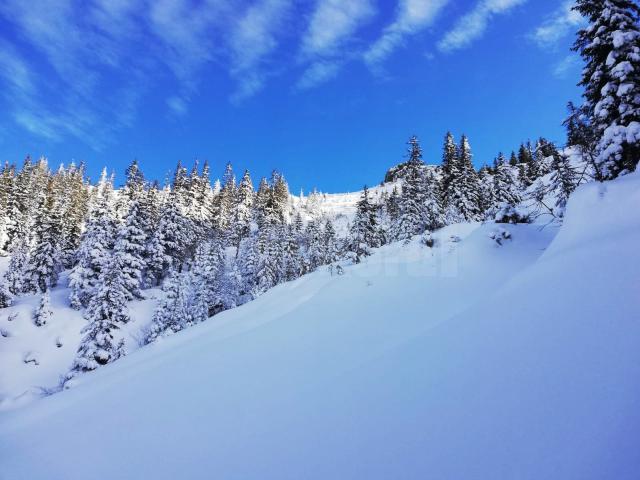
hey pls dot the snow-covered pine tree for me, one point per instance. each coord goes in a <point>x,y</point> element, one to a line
<point>14,277</point>
<point>581,135</point>
<point>331,251</point>
<point>130,246</point>
<point>449,161</point>
<point>564,180</point>
<point>171,238</point>
<point>315,251</point>
<point>171,313</point>
<point>392,206</point>
<point>487,197</point>
<point>298,224</point>
<point>248,260</point>
<point>209,271</point>
<point>226,202</point>
<point>505,185</point>
<point>293,261</point>
<point>75,202</point>
<point>134,184</point>
<point>413,196</point>
<point>107,312</point>
<point>6,297</point>
<point>513,160</point>
<point>45,262</point>
<point>244,208</point>
<point>364,233</point>
<point>43,313</point>
<point>610,48</point>
<point>433,204</point>
<point>280,193</point>
<point>95,245</point>
<point>271,262</point>
<point>462,193</point>
<point>7,205</point>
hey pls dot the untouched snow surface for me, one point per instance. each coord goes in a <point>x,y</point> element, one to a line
<point>466,361</point>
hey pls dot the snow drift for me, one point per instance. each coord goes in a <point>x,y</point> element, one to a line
<point>472,359</point>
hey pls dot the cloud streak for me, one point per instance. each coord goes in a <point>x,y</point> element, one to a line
<point>332,27</point>
<point>557,26</point>
<point>472,26</point>
<point>253,39</point>
<point>412,16</point>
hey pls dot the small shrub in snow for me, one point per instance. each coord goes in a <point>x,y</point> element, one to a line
<point>507,213</point>
<point>335,268</point>
<point>500,235</point>
<point>427,240</point>
<point>12,316</point>
<point>30,357</point>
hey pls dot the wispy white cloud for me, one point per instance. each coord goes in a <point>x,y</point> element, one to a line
<point>333,22</point>
<point>177,105</point>
<point>86,54</point>
<point>566,66</point>
<point>558,25</point>
<point>252,40</point>
<point>318,73</point>
<point>332,27</point>
<point>472,25</point>
<point>412,17</point>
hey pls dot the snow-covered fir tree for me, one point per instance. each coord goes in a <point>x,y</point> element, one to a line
<point>95,246</point>
<point>315,245</point>
<point>106,313</point>
<point>43,313</point>
<point>171,314</point>
<point>506,188</point>
<point>6,296</point>
<point>610,48</point>
<point>243,209</point>
<point>44,263</point>
<point>131,245</point>
<point>564,180</point>
<point>331,252</point>
<point>461,184</point>
<point>365,231</point>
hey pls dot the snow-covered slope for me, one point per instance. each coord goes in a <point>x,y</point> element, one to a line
<point>468,360</point>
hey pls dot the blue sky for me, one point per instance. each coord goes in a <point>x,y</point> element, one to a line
<point>327,91</point>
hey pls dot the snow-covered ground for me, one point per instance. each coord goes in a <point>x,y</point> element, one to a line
<point>468,360</point>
